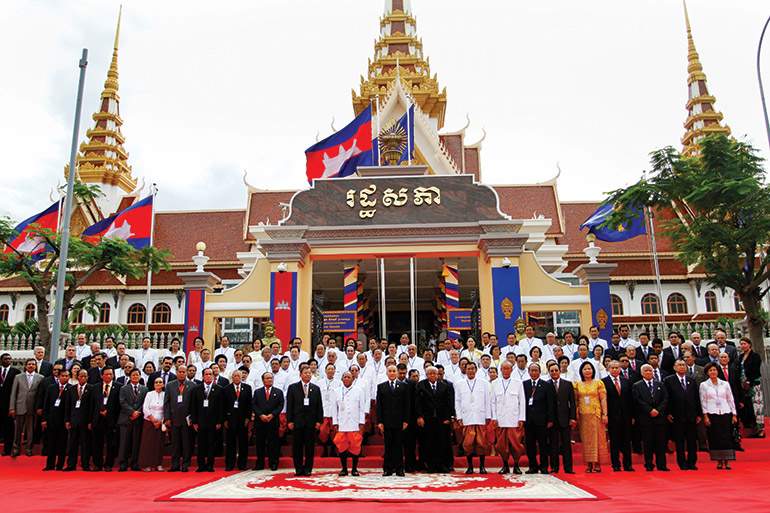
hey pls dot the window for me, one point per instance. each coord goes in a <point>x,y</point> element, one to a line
<point>4,313</point>
<point>29,312</point>
<point>137,314</point>
<point>617,305</point>
<point>650,304</point>
<point>78,317</point>
<point>738,303</point>
<point>711,301</point>
<point>676,304</point>
<point>161,314</point>
<point>104,313</point>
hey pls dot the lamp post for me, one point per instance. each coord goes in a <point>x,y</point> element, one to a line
<point>759,77</point>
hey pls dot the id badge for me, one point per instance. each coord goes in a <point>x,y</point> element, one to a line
<point>473,399</point>
<point>587,400</point>
<point>57,403</point>
<point>179,400</point>
<point>104,401</point>
<point>235,404</point>
<point>306,401</point>
<point>531,401</point>
<point>205,403</point>
<point>77,403</point>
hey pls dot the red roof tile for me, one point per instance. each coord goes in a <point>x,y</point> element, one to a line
<point>264,207</point>
<point>221,230</point>
<point>530,201</point>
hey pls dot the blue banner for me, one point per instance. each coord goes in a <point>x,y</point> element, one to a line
<point>459,319</point>
<point>506,292</point>
<point>340,320</point>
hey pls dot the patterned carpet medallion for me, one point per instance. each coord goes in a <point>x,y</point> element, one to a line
<point>324,484</point>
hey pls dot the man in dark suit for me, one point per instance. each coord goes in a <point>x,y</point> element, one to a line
<point>664,359</point>
<point>627,371</point>
<point>620,408</point>
<point>304,414</point>
<point>131,397</point>
<point>433,413</point>
<point>614,350</point>
<point>40,400</point>
<point>672,353</point>
<point>237,397</point>
<point>684,413</point>
<point>393,416</point>
<point>541,414</point>
<point>114,361</point>
<point>410,434</point>
<point>645,349</point>
<point>726,346</point>
<point>207,412</point>
<point>166,365</point>
<point>698,351</point>
<point>176,410</point>
<point>70,358</point>
<point>7,376</point>
<point>104,421</point>
<point>44,367</point>
<point>559,437</point>
<point>77,418</point>
<point>267,404</point>
<point>95,372</point>
<point>651,399</point>
<point>658,374</point>
<point>54,430</point>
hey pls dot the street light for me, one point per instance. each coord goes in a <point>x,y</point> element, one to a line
<point>759,76</point>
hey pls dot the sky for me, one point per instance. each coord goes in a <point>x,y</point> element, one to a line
<point>209,90</point>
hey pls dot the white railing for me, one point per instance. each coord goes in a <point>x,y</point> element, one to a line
<point>706,329</point>
<point>161,340</point>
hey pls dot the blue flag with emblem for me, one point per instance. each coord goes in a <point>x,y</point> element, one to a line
<point>625,231</point>
<point>405,128</point>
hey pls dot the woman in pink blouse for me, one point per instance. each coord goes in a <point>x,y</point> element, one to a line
<point>719,415</point>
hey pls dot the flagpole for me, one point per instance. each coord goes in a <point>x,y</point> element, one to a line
<point>657,270</point>
<point>379,154</point>
<point>65,234</point>
<point>147,311</point>
<point>409,132</point>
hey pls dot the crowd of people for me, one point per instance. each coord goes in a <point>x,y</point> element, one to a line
<point>108,408</point>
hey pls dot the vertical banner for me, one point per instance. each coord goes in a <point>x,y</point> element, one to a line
<point>195,301</point>
<point>452,294</point>
<point>506,292</point>
<point>601,308</point>
<point>283,305</point>
<point>350,294</point>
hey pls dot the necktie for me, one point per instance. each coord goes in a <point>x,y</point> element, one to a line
<point>165,376</point>
<point>617,385</point>
<point>625,373</point>
<point>4,371</point>
<point>80,391</point>
<point>29,380</point>
<point>106,390</point>
<point>657,375</point>
<point>649,385</point>
<point>684,384</point>
<point>135,390</point>
<point>267,394</point>
<point>433,385</point>
<point>393,386</point>
<point>724,369</point>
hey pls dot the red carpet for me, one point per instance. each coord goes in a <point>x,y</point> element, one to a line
<point>744,488</point>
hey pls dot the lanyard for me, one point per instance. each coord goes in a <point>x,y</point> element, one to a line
<point>293,366</point>
<point>377,366</point>
<point>534,388</point>
<point>80,391</point>
<point>505,387</point>
<point>346,391</point>
<point>471,388</point>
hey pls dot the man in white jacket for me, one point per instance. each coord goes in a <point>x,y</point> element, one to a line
<point>509,411</point>
<point>348,418</point>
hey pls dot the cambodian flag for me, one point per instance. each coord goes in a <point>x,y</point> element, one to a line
<point>133,225</point>
<point>28,243</point>
<point>340,154</point>
<point>628,230</point>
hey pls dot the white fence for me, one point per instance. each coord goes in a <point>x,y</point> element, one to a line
<point>132,340</point>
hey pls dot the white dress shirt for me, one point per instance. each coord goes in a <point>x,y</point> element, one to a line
<point>509,406</point>
<point>82,351</point>
<point>228,351</point>
<point>472,402</point>
<point>303,356</point>
<point>349,409</point>
<point>443,357</point>
<point>625,342</point>
<point>327,387</point>
<point>153,405</point>
<point>717,399</point>
<point>518,374</point>
<point>574,367</point>
<point>526,344</point>
<point>146,355</point>
<point>593,342</point>
<point>418,364</point>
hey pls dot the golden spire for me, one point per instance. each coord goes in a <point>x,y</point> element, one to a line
<point>398,43</point>
<point>103,159</point>
<point>702,119</point>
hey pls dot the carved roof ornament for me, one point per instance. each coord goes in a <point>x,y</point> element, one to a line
<point>102,159</point>
<point>398,55</point>
<point>702,119</point>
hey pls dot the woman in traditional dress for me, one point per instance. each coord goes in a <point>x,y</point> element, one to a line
<point>591,398</point>
<point>753,405</point>
<point>150,450</point>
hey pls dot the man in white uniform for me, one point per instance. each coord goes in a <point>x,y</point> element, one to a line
<point>474,410</point>
<point>574,367</point>
<point>594,340</point>
<point>442,357</point>
<point>511,347</point>
<point>146,354</point>
<point>415,362</point>
<point>403,346</point>
<point>521,373</point>
<point>509,411</point>
<point>225,349</point>
<point>452,369</point>
<point>327,384</point>
<point>348,418</point>
<point>625,340</point>
<point>526,344</point>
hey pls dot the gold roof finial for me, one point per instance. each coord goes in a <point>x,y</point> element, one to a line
<point>111,84</point>
<point>702,119</point>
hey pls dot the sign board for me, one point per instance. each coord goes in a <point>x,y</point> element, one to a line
<point>340,320</point>
<point>459,319</point>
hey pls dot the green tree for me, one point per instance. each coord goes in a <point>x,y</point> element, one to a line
<point>722,217</point>
<point>86,259</point>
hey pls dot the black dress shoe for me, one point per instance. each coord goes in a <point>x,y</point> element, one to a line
<point>570,471</point>
<point>387,474</point>
<point>69,469</point>
<point>531,471</point>
<point>629,469</point>
<point>516,470</point>
<point>136,468</point>
<point>273,467</point>
<point>616,469</point>
<point>228,469</point>
<point>343,472</point>
<point>504,470</point>
<point>555,470</point>
<point>174,469</point>
<point>299,473</point>
<point>354,473</point>
<point>664,469</point>
<point>185,469</point>
<point>122,469</point>
<point>649,469</point>
<point>210,469</point>
<point>482,470</point>
<point>308,473</point>
<point>108,469</point>
<point>201,469</point>
<point>258,467</point>
<point>400,473</point>
<point>48,468</point>
<point>544,471</point>
<point>692,467</point>
<point>469,471</point>
<point>242,468</point>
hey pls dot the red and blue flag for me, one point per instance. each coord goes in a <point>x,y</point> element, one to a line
<point>133,225</point>
<point>29,243</point>
<point>340,154</point>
